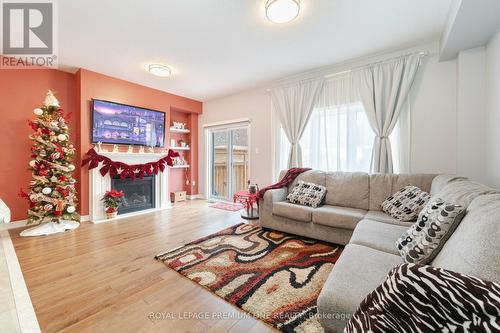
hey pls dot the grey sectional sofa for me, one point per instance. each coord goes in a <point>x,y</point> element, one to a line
<point>352,216</point>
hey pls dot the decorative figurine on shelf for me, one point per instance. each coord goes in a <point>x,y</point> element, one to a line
<point>141,150</point>
<point>130,149</point>
<point>173,143</point>
<point>179,161</point>
<point>179,125</point>
<point>151,149</point>
<point>98,146</point>
<point>183,143</point>
<point>115,149</point>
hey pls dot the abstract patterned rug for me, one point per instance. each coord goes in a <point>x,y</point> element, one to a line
<point>227,206</point>
<point>274,276</point>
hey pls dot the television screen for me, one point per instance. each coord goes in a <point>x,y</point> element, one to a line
<point>116,123</point>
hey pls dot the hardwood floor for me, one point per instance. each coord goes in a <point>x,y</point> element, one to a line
<point>104,278</point>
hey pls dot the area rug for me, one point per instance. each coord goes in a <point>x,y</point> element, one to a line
<point>274,276</point>
<point>227,206</point>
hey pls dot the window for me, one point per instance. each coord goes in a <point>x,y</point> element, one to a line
<point>338,136</point>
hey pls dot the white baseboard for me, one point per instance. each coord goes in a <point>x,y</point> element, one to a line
<point>195,196</point>
<point>85,218</point>
<point>119,217</point>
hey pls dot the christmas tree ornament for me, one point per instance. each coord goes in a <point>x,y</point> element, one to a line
<point>52,194</point>
<point>51,100</point>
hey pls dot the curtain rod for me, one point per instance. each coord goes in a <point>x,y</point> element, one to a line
<point>421,54</point>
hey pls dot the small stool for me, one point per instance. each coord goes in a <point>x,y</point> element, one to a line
<point>247,199</point>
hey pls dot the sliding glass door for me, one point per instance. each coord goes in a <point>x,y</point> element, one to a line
<point>228,161</point>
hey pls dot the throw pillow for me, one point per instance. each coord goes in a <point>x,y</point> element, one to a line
<point>425,238</point>
<point>307,194</point>
<point>406,204</point>
<point>417,298</point>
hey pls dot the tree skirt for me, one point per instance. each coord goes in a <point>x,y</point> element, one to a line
<point>227,206</point>
<point>274,276</point>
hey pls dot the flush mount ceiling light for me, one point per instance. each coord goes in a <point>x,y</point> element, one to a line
<point>159,70</point>
<point>282,11</point>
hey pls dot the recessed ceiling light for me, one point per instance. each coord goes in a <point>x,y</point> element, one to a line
<point>282,11</point>
<point>159,70</point>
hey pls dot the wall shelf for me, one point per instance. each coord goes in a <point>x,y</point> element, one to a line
<point>180,148</point>
<point>179,167</point>
<point>177,130</point>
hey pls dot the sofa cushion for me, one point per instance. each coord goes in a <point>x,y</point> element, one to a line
<point>423,241</point>
<point>311,176</point>
<point>462,192</point>
<point>378,235</point>
<point>358,271</point>
<point>307,194</point>
<point>348,189</point>
<point>292,211</point>
<point>474,247</point>
<point>384,185</point>
<point>406,204</point>
<point>378,216</point>
<point>338,217</point>
<point>441,181</point>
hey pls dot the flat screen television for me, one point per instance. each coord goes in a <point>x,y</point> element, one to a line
<point>116,123</point>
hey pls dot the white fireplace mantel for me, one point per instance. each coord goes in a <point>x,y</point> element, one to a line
<point>99,184</point>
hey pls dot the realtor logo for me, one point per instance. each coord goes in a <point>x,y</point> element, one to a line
<point>28,30</point>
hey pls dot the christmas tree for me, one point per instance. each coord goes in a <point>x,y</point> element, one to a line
<point>52,194</point>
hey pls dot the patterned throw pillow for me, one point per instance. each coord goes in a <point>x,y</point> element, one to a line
<point>417,298</point>
<point>423,241</point>
<point>406,204</point>
<point>307,194</point>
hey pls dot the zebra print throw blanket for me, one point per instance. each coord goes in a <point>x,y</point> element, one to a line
<point>417,298</point>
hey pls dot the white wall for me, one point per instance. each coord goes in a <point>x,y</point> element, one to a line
<point>254,104</point>
<point>434,118</point>
<point>492,132</point>
<point>471,105</point>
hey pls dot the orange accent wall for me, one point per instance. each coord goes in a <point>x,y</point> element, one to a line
<point>23,90</point>
<point>95,85</point>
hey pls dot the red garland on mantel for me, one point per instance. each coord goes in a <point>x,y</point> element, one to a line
<point>125,170</point>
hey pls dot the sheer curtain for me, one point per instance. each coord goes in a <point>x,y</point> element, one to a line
<point>338,136</point>
<point>384,89</point>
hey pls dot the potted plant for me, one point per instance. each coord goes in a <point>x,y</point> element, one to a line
<point>112,200</point>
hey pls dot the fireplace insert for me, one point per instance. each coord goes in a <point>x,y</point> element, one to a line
<point>139,193</point>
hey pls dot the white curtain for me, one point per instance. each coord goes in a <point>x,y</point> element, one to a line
<point>338,135</point>
<point>293,105</point>
<point>383,89</point>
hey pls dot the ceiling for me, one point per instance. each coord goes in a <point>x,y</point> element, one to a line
<point>218,47</point>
